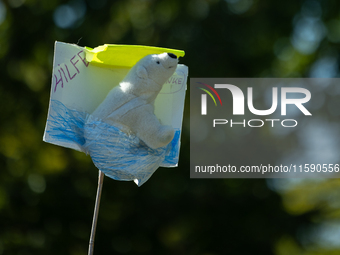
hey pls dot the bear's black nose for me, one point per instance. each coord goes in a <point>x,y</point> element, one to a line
<point>171,55</point>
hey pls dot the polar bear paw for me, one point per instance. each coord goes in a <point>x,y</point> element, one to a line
<point>166,135</point>
<point>158,138</point>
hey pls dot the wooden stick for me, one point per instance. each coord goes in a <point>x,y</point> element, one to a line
<point>96,210</point>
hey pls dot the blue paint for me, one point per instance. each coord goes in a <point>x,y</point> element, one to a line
<point>118,155</point>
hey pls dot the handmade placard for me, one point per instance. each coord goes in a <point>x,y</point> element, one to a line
<point>81,79</point>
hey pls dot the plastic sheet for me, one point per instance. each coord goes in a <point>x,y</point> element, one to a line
<point>120,156</point>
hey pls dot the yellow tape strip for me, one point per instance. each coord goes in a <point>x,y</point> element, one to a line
<point>123,55</point>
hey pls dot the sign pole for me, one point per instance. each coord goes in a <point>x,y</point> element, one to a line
<point>95,214</point>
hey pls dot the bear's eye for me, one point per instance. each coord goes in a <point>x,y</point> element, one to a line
<point>158,62</point>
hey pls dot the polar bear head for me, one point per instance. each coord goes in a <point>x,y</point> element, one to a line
<point>149,74</point>
<point>158,68</point>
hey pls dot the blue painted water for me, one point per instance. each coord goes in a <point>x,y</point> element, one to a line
<point>118,155</point>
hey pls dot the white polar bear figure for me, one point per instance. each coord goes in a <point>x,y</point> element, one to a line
<point>130,106</point>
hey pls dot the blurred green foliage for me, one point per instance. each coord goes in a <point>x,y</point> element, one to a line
<point>47,192</point>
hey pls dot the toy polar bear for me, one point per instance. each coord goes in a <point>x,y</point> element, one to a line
<point>130,106</point>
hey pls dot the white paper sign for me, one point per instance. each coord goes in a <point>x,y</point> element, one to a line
<point>78,87</point>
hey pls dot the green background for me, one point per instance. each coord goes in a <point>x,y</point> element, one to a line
<point>47,192</point>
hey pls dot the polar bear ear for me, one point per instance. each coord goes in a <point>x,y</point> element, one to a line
<point>141,72</point>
